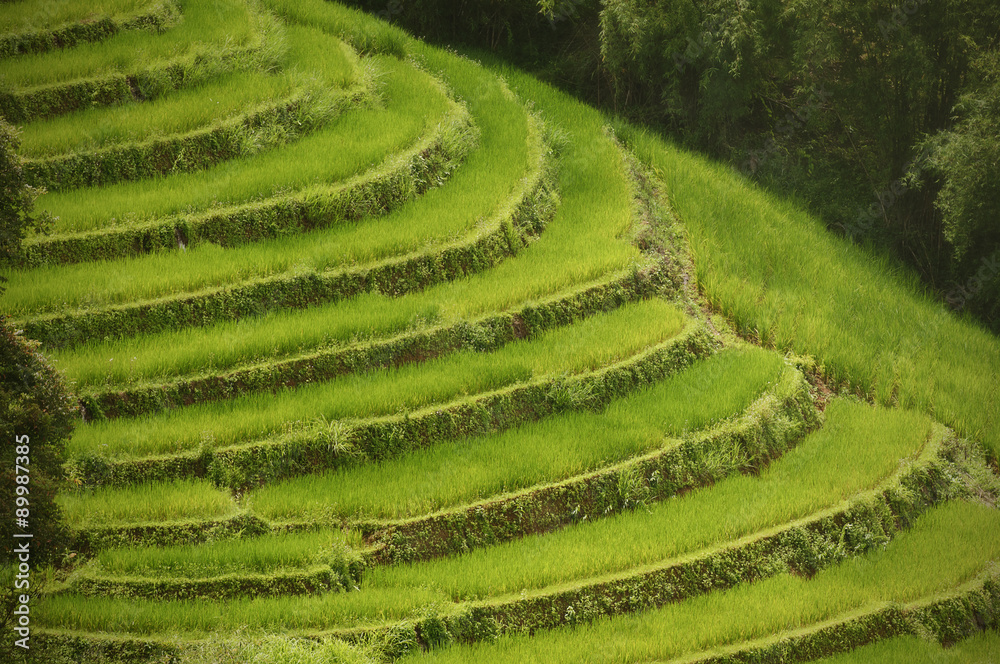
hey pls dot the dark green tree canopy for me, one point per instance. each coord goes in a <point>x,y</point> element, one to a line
<point>17,199</point>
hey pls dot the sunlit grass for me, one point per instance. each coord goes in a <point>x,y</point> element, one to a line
<point>206,28</point>
<point>200,617</point>
<point>944,549</point>
<point>312,61</point>
<point>584,346</point>
<point>744,267</point>
<point>361,30</point>
<point>980,648</point>
<point>865,445</point>
<point>255,556</point>
<point>207,265</point>
<point>265,339</point>
<point>353,142</point>
<point>477,191</point>
<point>863,316</point>
<point>561,446</point>
<point>171,501</point>
<point>588,239</point>
<point>27,15</point>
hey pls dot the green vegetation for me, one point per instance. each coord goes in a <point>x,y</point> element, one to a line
<point>358,136</point>
<point>23,15</point>
<point>206,265</point>
<point>797,485</point>
<point>271,337</point>
<point>37,416</point>
<point>977,649</point>
<point>230,649</point>
<point>378,344</point>
<point>568,444</point>
<point>875,332</point>
<point>310,60</point>
<point>201,618</point>
<point>844,104</point>
<point>357,28</point>
<point>943,550</point>
<point>136,122</point>
<point>579,245</point>
<point>146,503</point>
<point>261,556</point>
<point>586,346</point>
<point>134,141</point>
<point>206,28</point>
<point>17,202</point>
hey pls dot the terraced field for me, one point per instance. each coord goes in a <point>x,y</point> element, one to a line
<point>387,355</point>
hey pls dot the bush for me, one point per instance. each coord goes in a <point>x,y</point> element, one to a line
<point>17,199</point>
<point>36,411</point>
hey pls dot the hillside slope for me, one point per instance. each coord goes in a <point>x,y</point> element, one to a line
<point>386,354</point>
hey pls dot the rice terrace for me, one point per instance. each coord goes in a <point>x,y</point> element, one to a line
<point>375,350</point>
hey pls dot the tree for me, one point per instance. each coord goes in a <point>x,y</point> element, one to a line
<point>17,200</point>
<point>34,401</point>
<point>966,160</point>
<point>893,72</point>
<point>707,67</point>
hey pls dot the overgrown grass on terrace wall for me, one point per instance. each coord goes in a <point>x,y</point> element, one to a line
<point>206,27</point>
<point>557,447</point>
<point>982,648</point>
<point>584,346</point>
<point>946,548</point>
<point>308,61</point>
<point>26,15</point>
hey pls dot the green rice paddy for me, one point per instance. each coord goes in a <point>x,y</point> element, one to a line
<point>888,368</point>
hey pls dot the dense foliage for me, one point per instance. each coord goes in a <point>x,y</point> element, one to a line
<point>440,364</point>
<point>17,198</point>
<point>881,115</point>
<point>34,401</point>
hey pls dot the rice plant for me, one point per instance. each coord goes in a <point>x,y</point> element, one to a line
<point>145,503</point>
<point>27,15</point>
<point>865,445</point>
<point>868,445</point>
<point>262,555</point>
<point>475,192</point>
<point>584,346</point>
<point>247,341</point>
<point>584,242</point>
<point>979,648</point>
<point>876,330</point>
<point>312,61</point>
<point>207,28</point>
<point>361,30</point>
<point>944,549</point>
<point>557,447</point>
<point>277,649</point>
